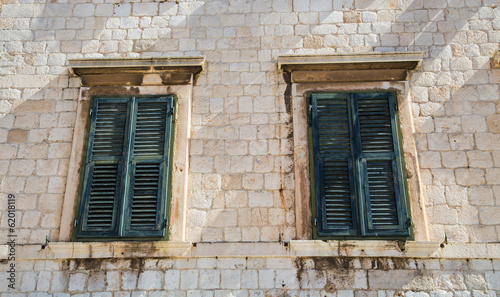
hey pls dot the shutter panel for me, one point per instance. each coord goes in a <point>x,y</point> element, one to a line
<point>375,125</point>
<point>333,125</point>
<point>145,213</point>
<point>382,197</point>
<point>333,162</point>
<point>101,193</point>
<point>381,179</point>
<point>146,193</point>
<point>102,196</point>
<point>360,188</point>
<point>150,128</point>
<point>337,187</point>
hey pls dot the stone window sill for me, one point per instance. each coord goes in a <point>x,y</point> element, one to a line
<point>294,248</point>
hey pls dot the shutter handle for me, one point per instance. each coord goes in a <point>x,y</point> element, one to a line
<point>162,224</point>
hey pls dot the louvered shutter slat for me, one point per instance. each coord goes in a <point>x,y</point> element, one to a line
<point>337,194</point>
<point>375,125</point>
<point>147,185</point>
<point>150,129</point>
<point>332,125</point>
<point>109,130</point>
<point>382,193</point>
<point>102,196</point>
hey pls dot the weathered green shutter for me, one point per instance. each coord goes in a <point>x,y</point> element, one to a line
<point>381,176</point>
<point>336,206</point>
<point>125,184</point>
<point>145,212</point>
<point>359,186</point>
<point>102,188</point>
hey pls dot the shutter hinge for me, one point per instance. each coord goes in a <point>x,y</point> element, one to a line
<point>309,115</point>
<point>315,221</point>
<point>170,112</point>
<point>408,223</point>
<point>395,106</point>
<point>90,113</point>
<point>75,224</point>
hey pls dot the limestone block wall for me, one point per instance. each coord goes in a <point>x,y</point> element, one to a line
<point>241,183</point>
<point>255,276</point>
<point>240,147</point>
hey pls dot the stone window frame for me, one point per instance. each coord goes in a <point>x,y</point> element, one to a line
<point>384,72</point>
<point>144,77</point>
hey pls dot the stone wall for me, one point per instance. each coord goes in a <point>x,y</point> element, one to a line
<point>241,129</point>
<point>303,276</point>
<point>241,182</point>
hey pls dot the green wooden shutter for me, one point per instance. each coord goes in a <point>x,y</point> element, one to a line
<point>381,176</point>
<point>336,206</point>
<point>358,168</point>
<point>124,191</point>
<point>102,188</point>
<point>146,207</point>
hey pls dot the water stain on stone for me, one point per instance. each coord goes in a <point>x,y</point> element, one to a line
<point>137,264</point>
<point>333,263</point>
<point>88,264</point>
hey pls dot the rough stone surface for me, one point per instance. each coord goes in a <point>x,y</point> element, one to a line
<point>242,159</point>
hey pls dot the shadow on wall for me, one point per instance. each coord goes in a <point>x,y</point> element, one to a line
<point>35,145</point>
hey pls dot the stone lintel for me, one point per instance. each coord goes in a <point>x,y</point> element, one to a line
<point>366,75</point>
<point>137,72</point>
<point>393,66</point>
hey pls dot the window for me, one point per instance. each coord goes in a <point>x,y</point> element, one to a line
<point>351,73</point>
<point>358,170</point>
<point>141,78</point>
<point>125,185</point>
